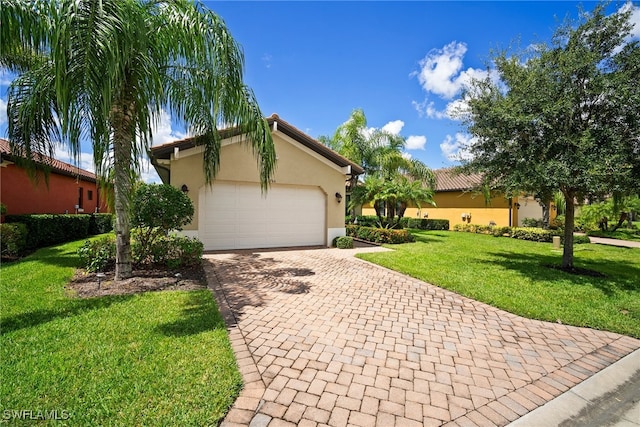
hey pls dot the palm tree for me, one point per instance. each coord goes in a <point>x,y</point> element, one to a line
<point>386,168</point>
<point>107,69</point>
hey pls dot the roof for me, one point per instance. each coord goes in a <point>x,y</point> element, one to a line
<point>449,179</point>
<point>277,125</point>
<point>56,165</point>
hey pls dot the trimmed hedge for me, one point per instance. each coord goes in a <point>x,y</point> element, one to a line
<point>533,234</point>
<point>379,235</point>
<point>47,230</point>
<point>428,224</point>
<point>100,223</point>
<point>52,229</point>
<point>344,242</point>
<point>13,240</point>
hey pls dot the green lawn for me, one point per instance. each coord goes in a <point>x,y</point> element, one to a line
<point>512,274</point>
<point>160,358</point>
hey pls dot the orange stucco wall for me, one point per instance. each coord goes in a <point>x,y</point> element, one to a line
<point>22,196</point>
<point>451,206</point>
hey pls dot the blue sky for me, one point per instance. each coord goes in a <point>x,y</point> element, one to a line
<point>403,63</point>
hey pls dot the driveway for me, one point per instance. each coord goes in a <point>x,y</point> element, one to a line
<point>323,338</point>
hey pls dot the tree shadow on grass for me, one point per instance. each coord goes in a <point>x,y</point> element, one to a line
<point>428,238</point>
<point>199,315</point>
<point>618,276</point>
<point>69,308</point>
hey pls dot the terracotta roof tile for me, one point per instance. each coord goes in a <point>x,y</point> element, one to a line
<point>56,165</point>
<point>449,180</point>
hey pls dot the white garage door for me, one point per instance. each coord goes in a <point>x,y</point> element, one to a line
<point>237,216</point>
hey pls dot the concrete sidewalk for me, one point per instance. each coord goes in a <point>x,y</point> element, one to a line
<point>323,338</point>
<point>614,242</point>
<point>609,398</point>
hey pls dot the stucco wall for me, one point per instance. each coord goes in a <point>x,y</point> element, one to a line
<point>296,165</point>
<point>22,196</point>
<point>451,206</point>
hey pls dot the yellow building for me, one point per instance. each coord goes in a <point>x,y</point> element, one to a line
<point>458,200</point>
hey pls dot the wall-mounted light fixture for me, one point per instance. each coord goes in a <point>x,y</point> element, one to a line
<point>516,205</point>
<point>338,197</point>
<point>184,188</point>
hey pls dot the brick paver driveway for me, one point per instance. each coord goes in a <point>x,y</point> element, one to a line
<point>323,338</point>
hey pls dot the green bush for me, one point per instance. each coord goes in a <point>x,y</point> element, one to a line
<point>100,223</point>
<point>533,234</point>
<point>344,242</point>
<point>428,224</point>
<point>13,239</point>
<point>170,251</point>
<point>379,235</point>
<point>99,254</point>
<point>156,210</point>
<point>46,229</point>
<point>531,222</point>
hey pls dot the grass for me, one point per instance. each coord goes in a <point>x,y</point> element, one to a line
<point>621,233</point>
<point>160,358</point>
<point>514,275</point>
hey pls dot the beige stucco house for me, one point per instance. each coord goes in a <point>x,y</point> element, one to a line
<point>304,205</point>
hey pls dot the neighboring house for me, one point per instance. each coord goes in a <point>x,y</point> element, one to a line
<point>457,199</point>
<point>304,205</point>
<point>69,190</point>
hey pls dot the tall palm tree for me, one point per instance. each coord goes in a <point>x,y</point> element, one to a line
<point>105,71</point>
<point>386,168</point>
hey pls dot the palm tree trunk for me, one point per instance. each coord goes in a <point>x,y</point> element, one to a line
<point>122,150</point>
<point>569,222</point>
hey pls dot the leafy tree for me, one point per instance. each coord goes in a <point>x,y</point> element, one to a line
<point>386,169</point>
<point>157,209</point>
<point>564,117</point>
<point>105,70</point>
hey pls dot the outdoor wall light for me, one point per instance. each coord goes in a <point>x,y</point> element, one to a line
<point>516,205</point>
<point>184,188</point>
<point>338,197</point>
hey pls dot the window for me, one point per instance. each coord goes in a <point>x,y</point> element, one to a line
<point>89,194</point>
<point>80,191</point>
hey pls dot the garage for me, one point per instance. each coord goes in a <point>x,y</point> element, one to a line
<point>236,215</point>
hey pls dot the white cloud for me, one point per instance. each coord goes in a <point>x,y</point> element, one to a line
<point>3,112</point>
<point>406,155</point>
<point>456,149</point>
<point>415,142</point>
<point>85,160</point>
<point>441,73</point>
<point>163,132</point>
<point>393,127</point>
<point>635,18</point>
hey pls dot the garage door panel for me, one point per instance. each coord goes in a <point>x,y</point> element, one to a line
<point>239,216</point>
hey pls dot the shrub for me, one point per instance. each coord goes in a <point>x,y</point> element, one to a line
<point>3,209</point>
<point>100,223</point>
<point>531,222</point>
<point>171,251</point>
<point>379,235</point>
<point>98,255</point>
<point>533,234</point>
<point>177,251</point>
<point>46,230</point>
<point>157,209</point>
<point>428,224</point>
<point>13,240</point>
<point>344,242</point>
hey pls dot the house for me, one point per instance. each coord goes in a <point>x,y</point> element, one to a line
<point>303,206</point>
<point>457,199</point>
<point>69,188</point>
